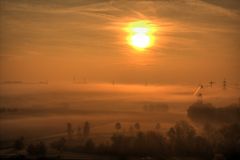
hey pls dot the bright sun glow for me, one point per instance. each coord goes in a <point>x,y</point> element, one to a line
<point>140,34</point>
<point>140,40</point>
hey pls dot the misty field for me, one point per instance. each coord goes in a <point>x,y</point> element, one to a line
<point>42,112</point>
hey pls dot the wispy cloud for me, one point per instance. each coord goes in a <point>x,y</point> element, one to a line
<point>187,28</point>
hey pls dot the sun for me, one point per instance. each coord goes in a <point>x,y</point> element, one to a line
<point>140,41</point>
<point>140,34</point>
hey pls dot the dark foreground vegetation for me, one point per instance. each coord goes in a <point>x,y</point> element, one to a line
<point>215,136</point>
<point>180,141</point>
<point>207,113</point>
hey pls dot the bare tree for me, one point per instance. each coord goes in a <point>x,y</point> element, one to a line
<point>79,132</point>
<point>19,143</point>
<point>118,126</point>
<point>69,130</point>
<point>86,129</point>
<point>137,126</point>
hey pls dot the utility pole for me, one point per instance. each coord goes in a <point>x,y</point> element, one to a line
<point>211,83</point>
<point>224,84</point>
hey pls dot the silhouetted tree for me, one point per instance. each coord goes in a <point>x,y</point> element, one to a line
<point>19,143</point>
<point>212,134</point>
<point>185,142</point>
<point>86,129</point>
<point>59,144</point>
<point>79,132</point>
<point>120,144</point>
<point>39,149</point>
<point>31,149</point>
<point>137,126</point>
<point>89,145</point>
<point>230,144</point>
<point>140,143</point>
<point>201,112</point>
<point>103,148</point>
<point>69,130</point>
<point>206,113</point>
<point>150,143</point>
<point>181,136</point>
<point>118,126</point>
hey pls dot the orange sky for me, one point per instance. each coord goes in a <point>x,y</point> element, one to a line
<point>57,40</point>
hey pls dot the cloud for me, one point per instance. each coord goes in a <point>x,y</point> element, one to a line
<point>229,4</point>
<point>42,21</point>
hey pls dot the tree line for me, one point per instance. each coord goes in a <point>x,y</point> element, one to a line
<point>180,140</point>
